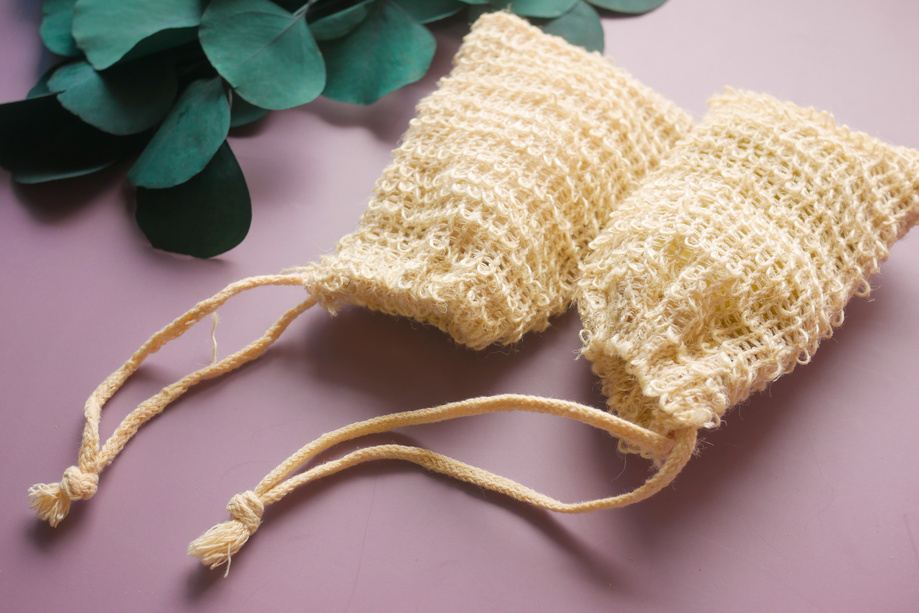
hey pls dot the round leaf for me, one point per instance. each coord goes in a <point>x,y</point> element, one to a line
<point>243,113</point>
<point>188,138</point>
<point>107,30</point>
<point>122,100</point>
<point>426,11</point>
<point>266,53</point>
<point>536,8</point>
<point>56,27</point>
<point>579,26</point>
<point>41,141</point>
<point>630,7</point>
<point>204,217</point>
<point>339,24</point>
<point>386,51</point>
<point>41,86</point>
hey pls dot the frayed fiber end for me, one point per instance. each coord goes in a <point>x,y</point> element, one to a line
<point>51,501</point>
<point>219,544</point>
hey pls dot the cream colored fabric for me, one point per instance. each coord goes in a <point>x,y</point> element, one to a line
<point>508,171</point>
<point>506,174</point>
<point>736,258</point>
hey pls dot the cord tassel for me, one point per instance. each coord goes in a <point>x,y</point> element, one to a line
<point>51,501</point>
<point>218,545</point>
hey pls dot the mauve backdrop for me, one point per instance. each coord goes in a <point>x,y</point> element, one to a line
<point>805,500</point>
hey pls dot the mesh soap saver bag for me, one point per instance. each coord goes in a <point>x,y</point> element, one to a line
<point>477,227</point>
<point>725,269</point>
<point>737,258</point>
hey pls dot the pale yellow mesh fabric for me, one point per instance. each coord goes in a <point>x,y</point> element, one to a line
<point>477,227</point>
<point>737,256</point>
<point>506,174</point>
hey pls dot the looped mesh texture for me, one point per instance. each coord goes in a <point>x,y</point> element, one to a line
<point>737,256</point>
<point>505,175</point>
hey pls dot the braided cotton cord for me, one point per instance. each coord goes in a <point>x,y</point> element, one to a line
<point>52,501</point>
<point>220,543</point>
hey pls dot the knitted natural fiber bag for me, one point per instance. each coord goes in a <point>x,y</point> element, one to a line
<point>736,258</point>
<point>478,225</point>
<point>724,270</point>
<point>509,171</point>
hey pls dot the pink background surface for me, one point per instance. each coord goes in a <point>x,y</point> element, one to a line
<point>805,499</point>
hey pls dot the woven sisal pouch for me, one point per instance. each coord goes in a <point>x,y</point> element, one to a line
<point>736,258</point>
<point>507,173</point>
<point>478,225</point>
<point>724,270</point>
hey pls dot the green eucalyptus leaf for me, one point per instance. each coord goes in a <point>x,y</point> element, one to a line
<point>547,9</point>
<point>266,53</point>
<point>57,27</point>
<point>341,23</point>
<point>630,7</point>
<point>243,112</point>
<point>41,86</point>
<point>580,26</point>
<point>41,141</point>
<point>386,51</point>
<point>108,30</point>
<point>203,217</point>
<point>475,2</point>
<point>187,139</point>
<point>122,100</point>
<point>164,41</point>
<point>426,11</point>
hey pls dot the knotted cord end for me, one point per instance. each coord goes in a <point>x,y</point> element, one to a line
<point>219,544</point>
<point>51,501</point>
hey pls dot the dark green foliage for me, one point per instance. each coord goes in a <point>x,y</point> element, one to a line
<point>57,27</point>
<point>107,30</point>
<point>169,78</point>
<point>547,9</point>
<point>243,113</point>
<point>188,138</point>
<point>579,26</point>
<point>41,141</point>
<point>121,100</point>
<point>385,51</point>
<point>204,217</point>
<point>265,53</point>
<point>341,23</point>
<point>630,7</point>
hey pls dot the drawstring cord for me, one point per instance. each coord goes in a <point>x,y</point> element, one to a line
<point>51,501</point>
<point>217,546</point>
